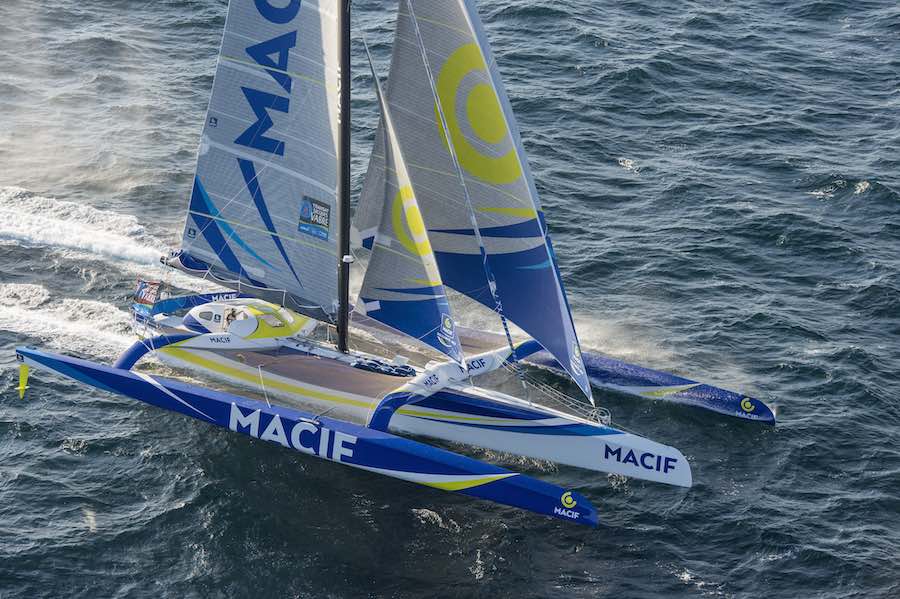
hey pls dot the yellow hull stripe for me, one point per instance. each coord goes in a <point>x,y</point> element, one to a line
<point>270,383</point>
<point>666,391</point>
<point>458,485</point>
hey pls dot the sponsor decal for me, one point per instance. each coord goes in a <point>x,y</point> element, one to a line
<point>315,218</point>
<point>218,297</point>
<point>191,233</point>
<point>575,361</point>
<point>273,55</point>
<point>220,339</point>
<point>147,292</point>
<point>445,333</point>
<point>476,364</point>
<point>213,122</point>
<point>306,436</point>
<point>645,460</point>
<point>568,502</point>
<point>572,514</point>
<point>747,405</point>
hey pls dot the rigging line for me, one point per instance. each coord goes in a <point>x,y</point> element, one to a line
<point>228,202</point>
<point>263,384</point>
<point>492,284</point>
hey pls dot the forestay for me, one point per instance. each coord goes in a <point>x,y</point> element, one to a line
<point>483,134</point>
<point>402,286</point>
<point>262,211</point>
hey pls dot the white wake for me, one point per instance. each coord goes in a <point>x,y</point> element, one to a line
<point>86,234</point>
<point>81,326</point>
<point>615,339</point>
<point>35,220</point>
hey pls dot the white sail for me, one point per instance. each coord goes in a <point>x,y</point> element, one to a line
<point>443,71</point>
<point>402,287</point>
<point>262,211</point>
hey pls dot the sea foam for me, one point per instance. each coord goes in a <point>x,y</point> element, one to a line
<point>87,234</point>
<point>82,326</point>
<point>36,220</point>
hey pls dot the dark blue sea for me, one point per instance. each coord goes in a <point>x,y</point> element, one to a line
<point>722,183</point>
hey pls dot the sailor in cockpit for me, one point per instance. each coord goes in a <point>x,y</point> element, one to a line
<point>230,315</point>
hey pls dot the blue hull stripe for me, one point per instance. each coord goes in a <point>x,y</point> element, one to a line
<point>470,405</point>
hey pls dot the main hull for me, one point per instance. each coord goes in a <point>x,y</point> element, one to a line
<point>468,415</point>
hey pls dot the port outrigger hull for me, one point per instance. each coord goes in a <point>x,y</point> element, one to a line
<point>327,438</point>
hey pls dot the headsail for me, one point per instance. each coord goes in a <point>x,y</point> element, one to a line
<point>262,211</point>
<point>483,133</point>
<point>402,287</point>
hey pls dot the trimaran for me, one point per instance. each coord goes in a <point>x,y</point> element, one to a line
<point>448,203</point>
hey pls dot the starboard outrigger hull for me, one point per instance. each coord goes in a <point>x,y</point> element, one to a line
<point>327,438</point>
<point>610,374</point>
<point>638,381</point>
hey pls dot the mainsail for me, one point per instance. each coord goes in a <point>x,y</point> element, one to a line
<point>402,286</point>
<point>262,212</point>
<point>482,132</point>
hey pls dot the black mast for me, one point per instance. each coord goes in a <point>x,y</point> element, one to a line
<point>343,179</point>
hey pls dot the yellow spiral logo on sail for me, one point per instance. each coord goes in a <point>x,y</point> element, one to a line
<point>484,115</point>
<point>567,500</point>
<point>408,224</point>
<point>747,405</point>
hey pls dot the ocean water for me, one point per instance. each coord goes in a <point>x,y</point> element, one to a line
<point>722,182</point>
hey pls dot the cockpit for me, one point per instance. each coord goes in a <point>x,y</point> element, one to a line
<point>247,318</point>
